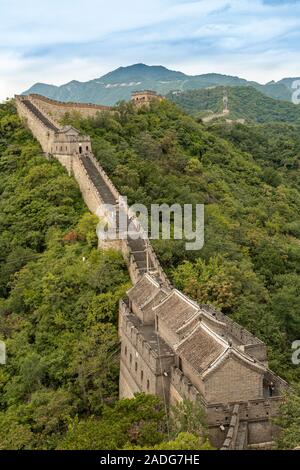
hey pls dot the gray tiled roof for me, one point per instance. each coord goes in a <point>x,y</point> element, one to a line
<point>176,310</point>
<point>143,290</point>
<point>202,348</point>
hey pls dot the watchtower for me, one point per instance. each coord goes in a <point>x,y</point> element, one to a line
<point>144,97</point>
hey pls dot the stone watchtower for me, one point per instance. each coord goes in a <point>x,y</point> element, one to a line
<point>144,97</point>
<point>176,349</point>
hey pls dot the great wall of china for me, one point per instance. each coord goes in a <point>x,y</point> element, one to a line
<point>170,346</point>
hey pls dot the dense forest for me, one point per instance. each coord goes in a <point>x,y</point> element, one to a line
<point>248,180</point>
<point>59,294</point>
<point>243,102</point>
<point>59,299</point>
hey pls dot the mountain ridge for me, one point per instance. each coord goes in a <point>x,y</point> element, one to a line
<point>243,103</point>
<point>118,84</point>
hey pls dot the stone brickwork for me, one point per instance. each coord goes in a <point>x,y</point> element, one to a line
<point>170,346</point>
<point>57,109</point>
<point>144,97</point>
<point>41,132</point>
<point>146,360</point>
<point>54,138</point>
<point>235,381</point>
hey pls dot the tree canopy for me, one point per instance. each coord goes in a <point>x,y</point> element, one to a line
<point>248,178</point>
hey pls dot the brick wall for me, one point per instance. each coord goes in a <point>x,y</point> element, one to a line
<point>57,109</point>
<point>38,129</point>
<point>233,381</point>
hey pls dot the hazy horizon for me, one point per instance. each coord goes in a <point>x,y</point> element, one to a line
<point>156,65</point>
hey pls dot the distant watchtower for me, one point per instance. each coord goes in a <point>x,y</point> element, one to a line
<point>144,97</point>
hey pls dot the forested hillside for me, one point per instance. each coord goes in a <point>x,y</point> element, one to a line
<point>243,101</point>
<point>249,266</point>
<point>59,294</point>
<point>58,316</point>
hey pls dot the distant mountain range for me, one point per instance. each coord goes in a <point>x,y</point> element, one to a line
<point>243,103</point>
<point>118,85</point>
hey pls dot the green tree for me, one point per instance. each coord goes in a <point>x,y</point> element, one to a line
<point>289,420</point>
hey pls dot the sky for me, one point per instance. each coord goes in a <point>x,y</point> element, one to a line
<point>62,40</point>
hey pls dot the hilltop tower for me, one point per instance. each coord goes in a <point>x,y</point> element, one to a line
<point>144,97</point>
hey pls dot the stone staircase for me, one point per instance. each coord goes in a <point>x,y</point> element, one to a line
<point>99,182</point>
<point>40,115</point>
<point>138,250</point>
<point>137,246</point>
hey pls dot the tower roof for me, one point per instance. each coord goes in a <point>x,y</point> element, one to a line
<point>144,290</point>
<point>202,347</point>
<point>206,351</point>
<point>176,310</point>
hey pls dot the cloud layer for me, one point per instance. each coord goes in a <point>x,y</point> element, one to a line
<point>61,40</point>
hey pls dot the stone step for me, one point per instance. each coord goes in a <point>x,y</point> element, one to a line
<point>137,246</point>
<point>40,115</point>
<point>100,184</point>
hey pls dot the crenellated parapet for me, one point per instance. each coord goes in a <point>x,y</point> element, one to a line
<point>58,109</point>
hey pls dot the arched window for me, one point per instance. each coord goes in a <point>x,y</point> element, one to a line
<point>148,385</point>
<point>130,358</point>
<point>135,366</point>
<point>125,350</point>
<point>142,375</point>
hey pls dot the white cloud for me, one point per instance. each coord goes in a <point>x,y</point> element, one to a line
<point>61,40</point>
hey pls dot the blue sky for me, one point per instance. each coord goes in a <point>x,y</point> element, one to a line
<point>60,40</point>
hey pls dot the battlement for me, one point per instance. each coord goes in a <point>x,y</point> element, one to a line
<point>68,104</point>
<point>144,97</point>
<point>58,109</point>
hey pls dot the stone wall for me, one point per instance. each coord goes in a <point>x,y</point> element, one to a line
<point>144,367</point>
<point>232,432</point>
<point>57,109</point>
<point>88,190</point>
<point>38,129</point>
<point>144,97</point>
<point>258,414</point>
<point>234,381</point>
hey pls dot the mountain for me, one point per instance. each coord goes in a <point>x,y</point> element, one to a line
<point>243,102</point>
<point>118,85</point>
